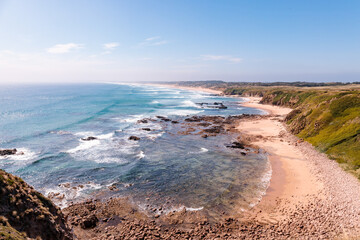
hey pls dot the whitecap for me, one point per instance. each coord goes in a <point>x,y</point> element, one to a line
<point>204,150</point>
<point>141,155</point>
<point>105,136</point>
<point>189,103</point>
<point>155,102</point>
<point>84,145</point>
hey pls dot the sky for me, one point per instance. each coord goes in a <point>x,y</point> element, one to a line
<point>61,41</point>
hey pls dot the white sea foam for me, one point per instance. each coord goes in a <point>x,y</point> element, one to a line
<point>62,195</point>
<point>131,118</point>
<point>184,112</point>
<point>105,136</point>
<point>141,155</point>
<point>83,134</point>
<point>84,145</point>
<point>264,184</point>
<point>155,102</point>
<point>202,150</point>
<point>189,103</point>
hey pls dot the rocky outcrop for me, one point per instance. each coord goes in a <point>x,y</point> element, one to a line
<point>26,211</point>
<point>5,152</point>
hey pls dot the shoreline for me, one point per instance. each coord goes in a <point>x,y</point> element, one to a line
<point>309,196</point>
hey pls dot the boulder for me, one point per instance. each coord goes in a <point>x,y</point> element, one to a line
<point>134,138</point>
<point>89,221</point>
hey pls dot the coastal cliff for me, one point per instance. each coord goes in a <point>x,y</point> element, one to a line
<point>26,213</point>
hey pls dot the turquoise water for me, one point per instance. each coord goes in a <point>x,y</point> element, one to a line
<point>47,123</point>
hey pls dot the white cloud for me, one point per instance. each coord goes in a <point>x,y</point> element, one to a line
<point>110,46</point>
<point>152,38</point>
<point>64,48</point>
<point>221,58</point>
<point>153,41</point>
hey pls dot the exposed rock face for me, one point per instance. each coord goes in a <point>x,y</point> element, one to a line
<point>29,212</point>
<point>89,138</point>
<point>5,152</point>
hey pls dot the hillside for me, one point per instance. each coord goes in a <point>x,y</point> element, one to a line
<point>26,213</point>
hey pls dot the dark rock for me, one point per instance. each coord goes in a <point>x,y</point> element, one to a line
<point>204,136</point>
<point>5,152</point>
<point>135,138</point>
<point>214,129</point>
<point>89,222</point>
<point>143,121</point>
<point>146,129</point>
<point>236,145</point>
<point>89,138</point>
<point>175,122</point>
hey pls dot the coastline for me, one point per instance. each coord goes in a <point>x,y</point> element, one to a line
<point>309,196</point>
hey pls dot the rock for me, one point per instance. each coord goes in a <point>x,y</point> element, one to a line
<point>143,121</point>
<point>112,188</point>
<point>65,185</point>
<point>236,145</point>
<point>5,152</point>
<point>89,222</point>
<point>89,138</point>
<point>204,136</point>
<point>134,138</point>
<point>175,122</point>
<point>146,129</point>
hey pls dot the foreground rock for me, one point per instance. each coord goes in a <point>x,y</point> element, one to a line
<point>26,211</point>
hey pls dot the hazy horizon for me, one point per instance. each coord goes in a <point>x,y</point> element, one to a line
<point>152,41</point>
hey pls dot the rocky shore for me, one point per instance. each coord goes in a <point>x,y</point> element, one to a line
<point>310,196</point>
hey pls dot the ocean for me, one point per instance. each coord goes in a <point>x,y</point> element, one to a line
<point>162,169</point>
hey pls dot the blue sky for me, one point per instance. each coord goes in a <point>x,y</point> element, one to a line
<point>166,40</point>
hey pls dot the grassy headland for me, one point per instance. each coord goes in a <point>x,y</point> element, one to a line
<point>325,114</point>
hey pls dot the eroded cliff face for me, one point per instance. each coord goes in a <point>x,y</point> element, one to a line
<point>26,213</point>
